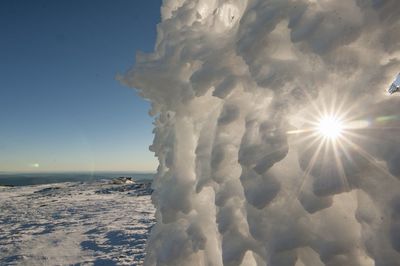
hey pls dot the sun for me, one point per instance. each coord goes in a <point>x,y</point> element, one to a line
<point>330,127</point>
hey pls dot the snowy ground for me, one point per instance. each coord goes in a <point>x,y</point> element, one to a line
<point>75,224</point>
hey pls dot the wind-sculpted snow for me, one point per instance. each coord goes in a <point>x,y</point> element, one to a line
<point>75,224</point>
<point>233,85</point>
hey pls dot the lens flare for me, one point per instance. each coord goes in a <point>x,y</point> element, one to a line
<point>330,127</point>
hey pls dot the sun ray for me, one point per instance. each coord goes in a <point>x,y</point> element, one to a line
<point>345,151</point>
<point>309,168</point>
<point>368,157</point>
<point>340,168</point>
<point>313,140</point>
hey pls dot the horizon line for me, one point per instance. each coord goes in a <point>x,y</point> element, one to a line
<point>78,172</point>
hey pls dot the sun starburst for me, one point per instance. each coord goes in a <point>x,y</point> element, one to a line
<point>330,127</point>
<point>329,139</point>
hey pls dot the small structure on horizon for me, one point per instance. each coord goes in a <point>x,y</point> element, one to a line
<point>123,180</point>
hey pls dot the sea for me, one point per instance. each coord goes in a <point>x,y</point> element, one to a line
<point>27,179</point>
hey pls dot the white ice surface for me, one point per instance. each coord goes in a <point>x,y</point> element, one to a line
<point>72,224</point>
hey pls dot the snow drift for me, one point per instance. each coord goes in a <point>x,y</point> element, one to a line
<point>229,82</point>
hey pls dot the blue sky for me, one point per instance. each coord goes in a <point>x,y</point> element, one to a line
<point>61,108</point>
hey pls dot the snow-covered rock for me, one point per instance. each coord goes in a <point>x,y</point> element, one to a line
<point>75,223</point>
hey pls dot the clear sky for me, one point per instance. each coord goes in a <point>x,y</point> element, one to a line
<point>61,108</point>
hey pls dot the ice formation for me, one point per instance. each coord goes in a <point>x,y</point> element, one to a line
<point>232,84</point>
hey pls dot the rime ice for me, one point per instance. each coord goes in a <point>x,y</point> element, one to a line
<point>227,81</point>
